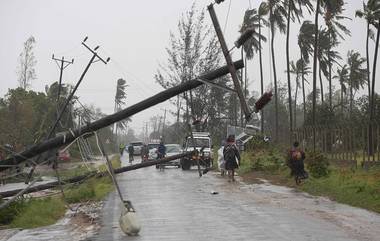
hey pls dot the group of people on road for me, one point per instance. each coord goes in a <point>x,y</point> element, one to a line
<point>161,151</point>
<point>229,160</point>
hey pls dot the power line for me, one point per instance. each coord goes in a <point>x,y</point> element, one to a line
<point>228,14</point>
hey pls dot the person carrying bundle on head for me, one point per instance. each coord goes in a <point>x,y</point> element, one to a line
<point>296,157</point>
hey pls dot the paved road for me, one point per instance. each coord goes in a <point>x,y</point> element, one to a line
<point>177,205</point>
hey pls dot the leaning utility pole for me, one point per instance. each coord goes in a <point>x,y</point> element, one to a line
<point>69,98</point>
<point>61,68</point>
<point>228,58</point>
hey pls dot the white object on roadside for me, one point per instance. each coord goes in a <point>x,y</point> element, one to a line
<point>128,221</point>
<point>221,162</point>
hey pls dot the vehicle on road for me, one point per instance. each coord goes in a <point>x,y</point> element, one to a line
<point>171,150</point>
<point>137,145</point>
<point>153,153</point>
<point>202,143</point>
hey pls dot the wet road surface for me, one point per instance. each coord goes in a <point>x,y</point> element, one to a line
<point>177,205</point>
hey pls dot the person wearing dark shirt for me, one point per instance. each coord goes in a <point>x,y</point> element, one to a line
<point>230,154</point>
<point>131,151</point>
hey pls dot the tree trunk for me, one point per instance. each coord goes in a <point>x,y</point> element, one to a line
<point>261,76</point>
<point>274,78</point>
<point>341,98</point>
<point>288,75</point>
<point>367,58</point>
<point>303,89</point>
<point>321,84</point>
<point>371,118</point>
<point>351,99</point>
<point>295,104</point>
<point>315,66</point>
<point>330,84</point>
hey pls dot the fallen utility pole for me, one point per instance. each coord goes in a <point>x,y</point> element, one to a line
<point>92,174</point>
<point>68,137</point>
<point>230,64</point>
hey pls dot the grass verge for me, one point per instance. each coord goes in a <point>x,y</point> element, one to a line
<point>355,187</point>
<point>37,212</point>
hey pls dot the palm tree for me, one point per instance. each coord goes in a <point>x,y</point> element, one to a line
<point>305,44</point>
<point>315,66</point>
<point>332,16</point>
<point>254,19</point>
<point>277,14</point>
<point>299,70</point>
<point>293,11</point>
<point>120,97</point>
<point>343,78</point>
<point>374,7</point>
<point>367,14</point>
<point>357,74</point>
<point>326,57</point>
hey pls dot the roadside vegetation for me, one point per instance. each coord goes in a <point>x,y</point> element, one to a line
<point>345,184</point>
<point>37,212</point>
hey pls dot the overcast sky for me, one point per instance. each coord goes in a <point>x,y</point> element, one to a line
<point>134,34</point>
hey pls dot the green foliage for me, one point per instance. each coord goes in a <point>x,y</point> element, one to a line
<point>9,213</point>
<point>261,156</point>
<point>317,164</point>
<point>354,187</point>
<point>25,116</point>
<point>94,189</point>
<point>115,162</point>
<point>39,212</point>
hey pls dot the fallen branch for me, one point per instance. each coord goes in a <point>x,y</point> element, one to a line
<point>92,174</point>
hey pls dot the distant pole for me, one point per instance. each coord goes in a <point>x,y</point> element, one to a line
<point>163,125</point>
<point>242,84</point>
<point>61,68</point>
<point>228,58</point>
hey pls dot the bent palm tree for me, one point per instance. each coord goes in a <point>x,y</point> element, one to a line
<point>299,70</point>
<point>343,78</point>
<point>368,15</point>
<point>326,57</point>
<point>120,97</point>
<point>254,19</point>
<point>333,16</point>
<point>305,44</point>
<point>294,10</point>
<point>357,74</point>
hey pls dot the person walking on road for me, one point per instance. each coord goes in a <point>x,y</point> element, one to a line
<point>121,149</point>
<point>230,154</point>
<point>161,153</point>
<point>131,151</point>
<point>296,158</point>
<point>144,153</point>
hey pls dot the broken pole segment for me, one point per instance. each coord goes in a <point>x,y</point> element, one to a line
<point>68,137</point>
<point>92,174</point>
